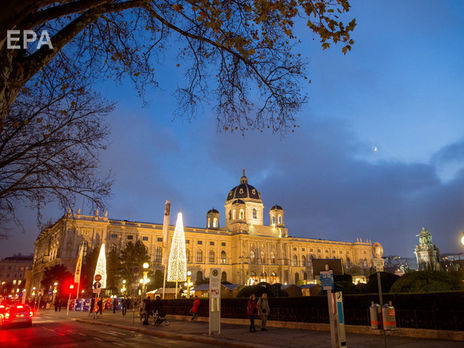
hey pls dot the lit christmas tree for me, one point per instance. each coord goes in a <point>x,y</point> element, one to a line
<point>101,266</point>
<point>177,266</point>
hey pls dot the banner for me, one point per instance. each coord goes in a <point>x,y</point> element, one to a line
<point>77,273</point>
<point>167,215</point>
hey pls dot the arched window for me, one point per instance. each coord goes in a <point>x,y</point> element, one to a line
<point>297,277</point>
<point>255,214</point>
<point>263,258</point>
<point>223,277</point>
<point>252,257</point>
<point>230,214</point>
<point>188,256</point>
<point>305,276</point>
<point>295,260</point>
<point>273,278</point>
<point>280,219</point>
<point>263,277</point>
<point>273,260</point>
<point>273,220</point>
<point>199,256</point>
<point>199,276</point>
<point>233,214</point>
<point>211,256</point>
<point>215,223</point>
<point>209,222</point>
<point>303,260</point>
<point>242,214</point>
<point>158,254</point>
<point>223,257</point>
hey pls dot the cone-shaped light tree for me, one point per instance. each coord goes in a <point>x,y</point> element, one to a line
<point>101,266</point>
<point>177,265</point>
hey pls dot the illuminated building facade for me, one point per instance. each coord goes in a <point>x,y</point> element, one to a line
<point>246,249</point>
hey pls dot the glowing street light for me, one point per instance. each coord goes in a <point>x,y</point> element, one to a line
<point>462,238</point>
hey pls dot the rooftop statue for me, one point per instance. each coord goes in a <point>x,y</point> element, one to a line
<point>425,238</point>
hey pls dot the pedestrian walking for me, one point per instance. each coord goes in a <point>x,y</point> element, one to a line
<point>92,305</point>
<point>251,312</point>
<point>124,306</point>
<point>195,308</point>
<point>263,310</point>
<point>100,306</point>
<point>115,304</point>
<point>59,305</point>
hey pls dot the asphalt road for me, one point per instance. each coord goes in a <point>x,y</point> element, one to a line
<point>47,331</point>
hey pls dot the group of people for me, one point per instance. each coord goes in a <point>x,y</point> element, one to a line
<point>258,308</point>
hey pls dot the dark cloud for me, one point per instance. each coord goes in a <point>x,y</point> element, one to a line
<point>329,192</point>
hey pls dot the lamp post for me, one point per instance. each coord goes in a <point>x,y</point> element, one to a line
<point>145,273</point>
<point>123,289</point>
<point>55,284</point>
<point>71,287</point>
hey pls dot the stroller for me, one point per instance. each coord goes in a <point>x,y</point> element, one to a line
<point>160,318</point>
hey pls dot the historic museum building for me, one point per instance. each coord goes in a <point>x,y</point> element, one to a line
<point>245,249</point>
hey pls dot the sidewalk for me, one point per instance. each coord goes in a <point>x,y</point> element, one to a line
<point>239,336</point>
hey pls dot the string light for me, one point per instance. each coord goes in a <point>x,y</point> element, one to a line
<point>177,266</point>
<point>101,266</point>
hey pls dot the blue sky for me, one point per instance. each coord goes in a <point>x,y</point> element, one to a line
<point>400,90</point>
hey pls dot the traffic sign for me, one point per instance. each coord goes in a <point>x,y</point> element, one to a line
<point>327,280</point>
<point>379,264</point>
<point>98,277</point>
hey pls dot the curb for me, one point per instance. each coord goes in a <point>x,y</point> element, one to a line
<point>183,337</point>
<point>447,335</point>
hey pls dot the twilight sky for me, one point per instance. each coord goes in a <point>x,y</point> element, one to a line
<point>379,154</point>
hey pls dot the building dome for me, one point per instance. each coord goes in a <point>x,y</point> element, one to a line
<point>276,207</point>
<point>213,211</point>
<point>244,191</point>
<point>237,202</point>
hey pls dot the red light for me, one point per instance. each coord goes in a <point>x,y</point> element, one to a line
<point>7,315</point>
<point>31,314</point>
<point>71,286</point>
<point>19,307</point>
<point>2,306</point>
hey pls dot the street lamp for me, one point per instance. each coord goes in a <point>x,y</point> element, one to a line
<point>55,284</point>
<point>71,287</point>
<point>462,238</point>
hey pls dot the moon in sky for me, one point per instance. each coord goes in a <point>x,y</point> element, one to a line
<point>375,148</point>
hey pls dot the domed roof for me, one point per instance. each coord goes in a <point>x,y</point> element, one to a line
<point>238,201</point>
<point>213,211</point>
<point>243,191</point>
<point>276,207</point>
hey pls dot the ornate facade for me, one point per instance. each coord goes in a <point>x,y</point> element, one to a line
<point>245,249</point>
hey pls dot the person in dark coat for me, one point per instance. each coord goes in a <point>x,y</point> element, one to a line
<point>195,308</point>
<point>115,304</point>
<point>92,305</point>
<point>100,306</point>
<point>146,310</point>
<point>124,305</point>
<point>251,312</point>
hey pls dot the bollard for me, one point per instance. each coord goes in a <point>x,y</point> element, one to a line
<point>389,318</point>
<point>374,311</point>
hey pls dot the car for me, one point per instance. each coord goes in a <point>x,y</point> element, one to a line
<point>15,315</point>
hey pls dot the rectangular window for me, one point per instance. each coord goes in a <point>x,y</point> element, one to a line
<point>187,241</point>
<point>130,237</point>
<point>144,238</point>
<point>223,244</point>
<point>211,243</point>
<point>159,239</point>
<point>199,242</point>
<point>114,235</point>
<point>302,249</point>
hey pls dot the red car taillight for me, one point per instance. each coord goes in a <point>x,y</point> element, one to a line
<point>31,314</point>
<point>7,315</point>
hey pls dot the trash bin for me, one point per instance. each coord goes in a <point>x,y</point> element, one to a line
<point>389,318</point>
<point>374,311</point>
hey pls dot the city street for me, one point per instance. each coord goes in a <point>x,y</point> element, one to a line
<point>53,330</point>
<point>57,330</point>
